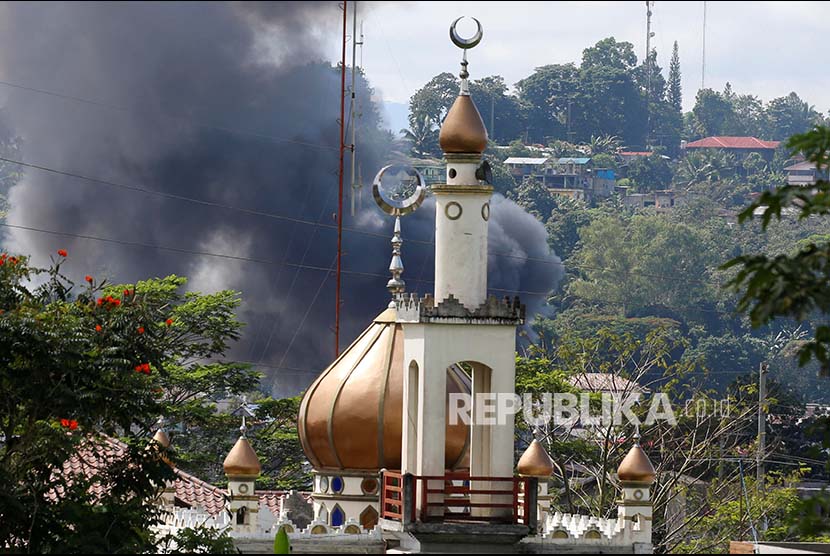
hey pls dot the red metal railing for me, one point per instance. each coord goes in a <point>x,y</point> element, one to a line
<point>459,497</point>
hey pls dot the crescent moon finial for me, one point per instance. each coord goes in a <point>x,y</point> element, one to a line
<point>463,43</point>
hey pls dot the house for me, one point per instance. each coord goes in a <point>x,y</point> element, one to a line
<point>738,146</point>
<point>662,200</point>
<point>805,173</point>
<point>571,177</point>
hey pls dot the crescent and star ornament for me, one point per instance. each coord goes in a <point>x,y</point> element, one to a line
<point>462,42</point>
<point>398,189</point>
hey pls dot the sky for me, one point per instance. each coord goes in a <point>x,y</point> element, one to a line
<point>764,48</point>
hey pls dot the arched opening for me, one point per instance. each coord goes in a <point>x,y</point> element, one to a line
<point>369,518</point>
<point>413,377</point>
<point>338,516</point>
<point>323,514</point>
<point>242,516</point>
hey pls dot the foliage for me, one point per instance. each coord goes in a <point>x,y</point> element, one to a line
<point>77,363</point>
<point>632,264</point>
<point>791,285</point>
<point>198,540</point>
<point>739,507</point>
<point>650,173</point>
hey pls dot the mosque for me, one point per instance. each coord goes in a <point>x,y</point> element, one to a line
<point>391,472</point>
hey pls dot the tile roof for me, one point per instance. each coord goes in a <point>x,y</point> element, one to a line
<point>732,143</point>
<point>801,166</point>
<point>189,489</point>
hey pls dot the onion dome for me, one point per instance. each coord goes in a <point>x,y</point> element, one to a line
<point>242,461</point>
<point>463,130</point>
<point>351,417</point>
<point>636,467</point>
<point>535,462</point>
<point>161,438</point>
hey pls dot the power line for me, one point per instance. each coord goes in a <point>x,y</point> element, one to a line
<point>169,117</point>
<point>226,256</point>
<point>255,212</point>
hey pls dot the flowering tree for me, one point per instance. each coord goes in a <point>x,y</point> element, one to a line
<point>80,364</point>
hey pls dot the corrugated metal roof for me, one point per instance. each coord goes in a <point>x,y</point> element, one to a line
<point>525,160</point>
<point>801,166</point>
<point>573,160</point>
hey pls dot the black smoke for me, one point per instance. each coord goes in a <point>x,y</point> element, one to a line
<point>227,103</point>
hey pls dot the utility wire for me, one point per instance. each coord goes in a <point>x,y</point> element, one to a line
<point>254,212</point>
<point>190,121</point>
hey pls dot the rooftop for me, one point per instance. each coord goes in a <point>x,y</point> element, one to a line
<point>732,143</point>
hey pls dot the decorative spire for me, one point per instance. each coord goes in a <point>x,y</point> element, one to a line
<point>465,44</point>
<point>463,130</point>
<point>395,285</point>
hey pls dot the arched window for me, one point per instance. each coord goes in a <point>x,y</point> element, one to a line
<point>338,516</point>
<point>242,516</point>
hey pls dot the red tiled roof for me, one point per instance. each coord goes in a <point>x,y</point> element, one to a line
<point>189,490</point>
<point>732,143</point>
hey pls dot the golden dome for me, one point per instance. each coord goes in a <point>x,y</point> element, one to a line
<point>463,130</point>
<point>242,461</point>
<point>162,438</point>
<point>636,467</point>
<point>535,462</point>
<point>351,416</point>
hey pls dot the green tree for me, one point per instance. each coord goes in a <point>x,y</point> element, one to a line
<point>535,199</point>
<point>77,363</point>
<point>503,114</point>
<point>549,94</point>
<point>675,92</point>
<point>713,113</point>
<point>427,109</point>
<point>792,285</point>
<point>789,115</point>
<point>650,173</point>
<point>646,261</point>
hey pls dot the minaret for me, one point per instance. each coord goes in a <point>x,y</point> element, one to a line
<point>242,468</point>
<point>462,205</point>
<point>636,475</point>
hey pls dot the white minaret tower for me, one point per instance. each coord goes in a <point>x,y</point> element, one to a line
<point>460,324</point>
<point>462,205</point>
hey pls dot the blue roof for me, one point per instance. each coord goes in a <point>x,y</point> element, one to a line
<point>571,160</point>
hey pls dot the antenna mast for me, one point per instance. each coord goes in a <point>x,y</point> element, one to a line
<point>649,34</point>
<point>340,188</point>
<point>703,56</point>
<point>352,110</point>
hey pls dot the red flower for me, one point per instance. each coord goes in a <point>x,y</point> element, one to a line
<point>100,301</point>
<point>146,368</point>
<point>88,278</point>
<point>116,302</point>
<point>138,368</point>
<point>141,330</point>
<point>98,328</point>
<point>73,424</point>
<point>62,252</point>
<point>126,293</point>
<point>168,322</point>
<point>64,422</point>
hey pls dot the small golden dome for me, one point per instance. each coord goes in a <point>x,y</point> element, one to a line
<point>535,462</point>
<point>636,467</point>
<point>463,130</point>
<point>162,438</point>
<point>351,417</point>
<point>242,461</point>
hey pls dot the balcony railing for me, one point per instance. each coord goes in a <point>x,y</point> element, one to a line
<point>458,497</point>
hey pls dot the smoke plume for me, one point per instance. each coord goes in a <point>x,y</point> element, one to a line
<point>229,104</point>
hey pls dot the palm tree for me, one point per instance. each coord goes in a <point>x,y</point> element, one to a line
<point>421,136</point>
